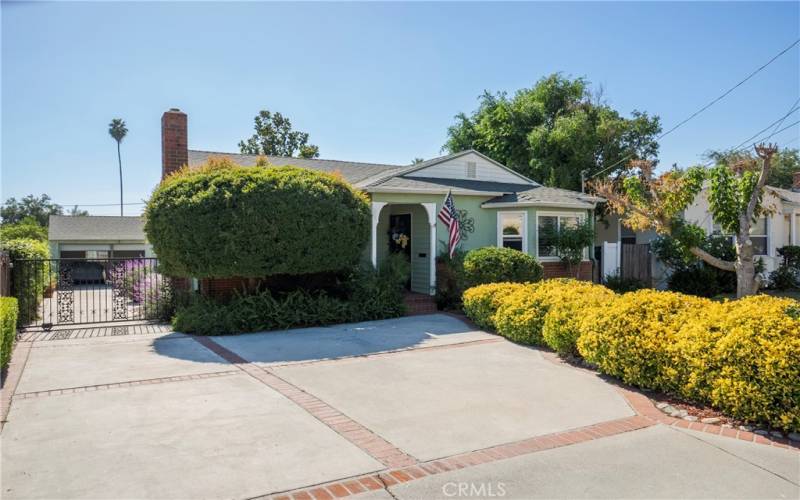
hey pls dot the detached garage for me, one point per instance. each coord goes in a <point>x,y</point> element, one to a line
<point>98,237</point>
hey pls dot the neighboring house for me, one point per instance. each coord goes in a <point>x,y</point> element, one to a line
<point>498,206</point>
<point>97,237</point>
<point>776,229</point>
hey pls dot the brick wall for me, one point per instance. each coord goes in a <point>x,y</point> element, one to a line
<point>559,270</point>
<point>174,141</point>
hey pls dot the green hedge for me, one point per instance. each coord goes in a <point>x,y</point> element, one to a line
<point>367,295</point>
<point>496,265</point>
<point>8,328</point>
<point>223,220</point>
<point>28,282</point>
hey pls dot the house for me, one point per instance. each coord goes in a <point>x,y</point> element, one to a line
<point>97,237</point>
<point>498,207</point>
<point>779,227</point>
<point>618,246</point>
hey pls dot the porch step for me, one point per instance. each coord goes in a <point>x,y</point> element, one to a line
<point>417,303</point>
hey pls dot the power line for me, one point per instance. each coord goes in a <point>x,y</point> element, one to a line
<point>716,100</point>
<point>779,122</point>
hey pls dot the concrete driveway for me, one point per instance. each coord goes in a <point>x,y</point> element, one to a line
<point>421,407</point>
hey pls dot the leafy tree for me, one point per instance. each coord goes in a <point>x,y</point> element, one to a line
<point>784,164</point>
<point>117,130</point>
<point>39,208</point>
<point>417,160</point>
<point>274,136</point>
<point>77,212</point>
<point>734,197</point>
<point>553,131</point>
<point>28,228</point>
<point>570,242</point>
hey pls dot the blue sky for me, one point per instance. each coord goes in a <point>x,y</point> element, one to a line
<point>369,82</point>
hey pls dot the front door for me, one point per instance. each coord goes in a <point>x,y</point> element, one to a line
<point>400,237</point>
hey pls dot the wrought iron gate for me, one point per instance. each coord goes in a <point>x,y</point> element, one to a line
<point>54,292</point>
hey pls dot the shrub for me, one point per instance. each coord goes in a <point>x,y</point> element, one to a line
<point>371,294</point>
<point>28,282</point>
<point>743,357</point>
<point>223,220</point>
<point>27,229</point>
<point>623,285</point>
<point>689,274</point>
<point>521,314</point>
<point>481,302</point>
<point>569,304</point>
<point>631,336</point>
<point>449,280</point>
<point>787,275</point>
<point>8,328</point>
<point>496,265</point>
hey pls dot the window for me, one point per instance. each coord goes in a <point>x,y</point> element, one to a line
<point>547,225</point>
<point>758,235</point>
<point>511,230</point>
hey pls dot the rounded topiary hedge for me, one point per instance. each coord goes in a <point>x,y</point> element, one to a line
<point>496,265</point>
<point>224,220</point>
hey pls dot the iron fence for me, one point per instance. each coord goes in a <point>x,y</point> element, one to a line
<point>65,291</point>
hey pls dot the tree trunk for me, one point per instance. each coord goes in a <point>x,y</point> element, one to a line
<point>119,159</point>
<point>747,282</point>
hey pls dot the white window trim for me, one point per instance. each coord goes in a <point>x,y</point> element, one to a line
<point>524,215</point>
<point>766,235</point>
<point>554,258</point>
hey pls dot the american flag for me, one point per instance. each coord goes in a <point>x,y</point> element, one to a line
<point>449,216</point>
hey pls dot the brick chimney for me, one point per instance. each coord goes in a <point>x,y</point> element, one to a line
<point>174,141</point>
<point>796,181</point>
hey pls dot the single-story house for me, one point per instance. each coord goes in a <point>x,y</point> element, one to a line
<point>97,237</point>
<point>779,227</point>
<point>497,206</point>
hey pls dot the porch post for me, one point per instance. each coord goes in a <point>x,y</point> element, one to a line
<point>376,215</point>
<point>431,209</point>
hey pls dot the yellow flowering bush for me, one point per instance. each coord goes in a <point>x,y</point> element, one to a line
<point>481,302</point>
<point>521,314</point>
<point>745,360</point>
<point>631,337</point>
<point>569,304</point>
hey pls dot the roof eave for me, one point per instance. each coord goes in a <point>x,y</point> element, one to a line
<point>556,204</point>
<point>433,191</point>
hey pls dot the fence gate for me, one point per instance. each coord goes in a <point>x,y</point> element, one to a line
<point>636,262</point>
<point>53,292</point>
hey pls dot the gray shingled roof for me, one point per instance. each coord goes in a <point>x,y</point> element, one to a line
<point>353,172</point>
<point>786,194</point>
<point>96,228</point>
<point>548,196</point>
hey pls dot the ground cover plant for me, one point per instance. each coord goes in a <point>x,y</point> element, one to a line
<point>741,356</point>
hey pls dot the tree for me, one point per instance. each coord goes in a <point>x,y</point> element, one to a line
<point>274,136</point>
<point>28,228</point>
<point>77,212</point>
<point>415,161</point>
<point>570,243</point>
<point>734,197</point>
<point>784,164</point>
<point>118,131</point>
<point>39,208</point>
<point>553,131</point>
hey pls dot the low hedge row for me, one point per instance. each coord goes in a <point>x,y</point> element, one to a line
<point>741,356</point>
<point>8,328</point>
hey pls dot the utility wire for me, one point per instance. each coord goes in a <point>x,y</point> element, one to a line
<point>716,100</point>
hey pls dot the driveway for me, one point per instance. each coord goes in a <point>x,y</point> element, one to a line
<point>419,407</point>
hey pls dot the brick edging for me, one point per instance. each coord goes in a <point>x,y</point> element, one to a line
<point>390,477</point>
<point>369,442</point>
<point>19,358</point>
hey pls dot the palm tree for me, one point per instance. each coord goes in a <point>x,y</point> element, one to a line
<point>118,131</point>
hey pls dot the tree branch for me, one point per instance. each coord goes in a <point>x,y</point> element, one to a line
<point>725,265</point>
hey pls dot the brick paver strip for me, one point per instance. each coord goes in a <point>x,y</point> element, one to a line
<point>369,442</point>
<point>118,385</point>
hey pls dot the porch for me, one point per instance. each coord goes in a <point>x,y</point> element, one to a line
<point>408,228</point>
